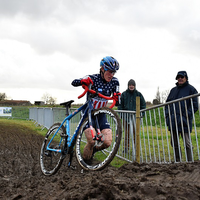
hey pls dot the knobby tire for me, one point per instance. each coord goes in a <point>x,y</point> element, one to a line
<point>101,158</point>
<point>51,161</point>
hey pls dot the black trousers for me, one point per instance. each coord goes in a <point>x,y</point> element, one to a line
<point>175,144</point>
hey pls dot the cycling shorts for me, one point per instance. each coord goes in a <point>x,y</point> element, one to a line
<point>103,122</point>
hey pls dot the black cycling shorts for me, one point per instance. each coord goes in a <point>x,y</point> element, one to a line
<point>103,122</point>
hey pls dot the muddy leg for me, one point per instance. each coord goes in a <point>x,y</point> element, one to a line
<point>107,139</point>
<point>88,149</point>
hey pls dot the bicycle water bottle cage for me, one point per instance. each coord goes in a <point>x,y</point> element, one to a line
<point>67,105</point>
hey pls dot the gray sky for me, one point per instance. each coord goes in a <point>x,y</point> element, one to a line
<point>45,44</point>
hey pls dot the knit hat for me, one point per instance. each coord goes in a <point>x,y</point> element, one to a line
<point>182,73</point>
<point>131,82</point>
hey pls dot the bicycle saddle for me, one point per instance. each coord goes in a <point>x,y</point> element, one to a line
<point>67,104</point>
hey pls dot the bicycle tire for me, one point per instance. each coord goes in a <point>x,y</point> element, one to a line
<point>101,158</point>
<point>51,161</point>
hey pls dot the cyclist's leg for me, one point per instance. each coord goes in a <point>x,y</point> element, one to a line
<point>88,149</point>
<point>107,133</point>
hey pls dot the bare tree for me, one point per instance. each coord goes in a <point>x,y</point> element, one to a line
<point>52,100</point>
<point>164,95</point>
<point>2,96</point>
<point>48,99</point>
<point>158,98</point>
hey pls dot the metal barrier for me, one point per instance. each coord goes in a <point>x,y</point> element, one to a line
<point>46,117</point>
<point>155,139</point>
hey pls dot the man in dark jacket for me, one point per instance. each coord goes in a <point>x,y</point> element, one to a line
<point>128,102</point>
<point>180,121</point>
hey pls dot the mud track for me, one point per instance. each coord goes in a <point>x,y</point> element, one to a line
<point>21,177</point>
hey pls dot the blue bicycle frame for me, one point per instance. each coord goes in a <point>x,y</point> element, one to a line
<point>87,107</point>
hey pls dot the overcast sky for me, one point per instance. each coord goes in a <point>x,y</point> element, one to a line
<point>45,44</point>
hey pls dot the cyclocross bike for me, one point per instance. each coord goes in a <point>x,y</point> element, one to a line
<point>58,142</point>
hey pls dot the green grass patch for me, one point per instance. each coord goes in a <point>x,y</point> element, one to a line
<point>26,123</point>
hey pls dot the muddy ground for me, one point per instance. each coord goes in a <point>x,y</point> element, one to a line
<point>21,177</point>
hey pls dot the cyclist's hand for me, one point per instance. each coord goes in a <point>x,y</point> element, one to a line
<point>116,96</point>
<point>86,81</point>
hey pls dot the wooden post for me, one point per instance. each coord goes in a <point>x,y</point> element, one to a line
<point>138,129</point>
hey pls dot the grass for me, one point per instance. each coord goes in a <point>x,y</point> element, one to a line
<point>157,146</point>
<point>26,123</point>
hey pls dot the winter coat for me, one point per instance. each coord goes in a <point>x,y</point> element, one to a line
<point>128,100</point>
<point>178,92</point>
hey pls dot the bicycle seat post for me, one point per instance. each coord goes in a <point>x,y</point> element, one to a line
<point>67,106</point>
<point>67,110</point>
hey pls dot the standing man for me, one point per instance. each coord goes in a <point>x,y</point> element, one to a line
<point>128,102</point>
<point>180,121</point>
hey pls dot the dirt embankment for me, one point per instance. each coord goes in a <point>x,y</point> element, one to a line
<point>21,177</point>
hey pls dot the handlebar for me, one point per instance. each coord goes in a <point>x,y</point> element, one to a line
<point>99,94</point>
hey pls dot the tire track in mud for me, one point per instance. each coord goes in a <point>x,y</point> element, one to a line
<point>21,177</point>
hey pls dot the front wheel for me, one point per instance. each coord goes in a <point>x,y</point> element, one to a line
<point>51,156</point>
<point>103,157</point>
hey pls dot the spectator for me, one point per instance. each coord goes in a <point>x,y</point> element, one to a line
<point>180,121</point>
<point>128,102</point>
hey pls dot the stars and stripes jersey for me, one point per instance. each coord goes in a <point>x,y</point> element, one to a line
<point>101,86</point>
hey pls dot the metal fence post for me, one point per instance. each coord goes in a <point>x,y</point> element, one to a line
<point>138,129</point>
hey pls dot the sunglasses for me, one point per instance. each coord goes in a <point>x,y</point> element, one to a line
<point>180,77</point>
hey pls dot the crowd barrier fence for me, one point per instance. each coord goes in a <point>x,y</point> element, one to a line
<point>155,138</point>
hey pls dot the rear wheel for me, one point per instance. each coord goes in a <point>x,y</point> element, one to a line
<point>51,159</point>
<point>101,158</point>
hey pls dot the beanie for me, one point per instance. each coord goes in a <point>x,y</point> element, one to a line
<point>131,82</point>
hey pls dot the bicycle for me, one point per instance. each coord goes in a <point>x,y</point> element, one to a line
<point>58,142</point>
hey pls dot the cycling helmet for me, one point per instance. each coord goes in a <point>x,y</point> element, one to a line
<point>109,63</point>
